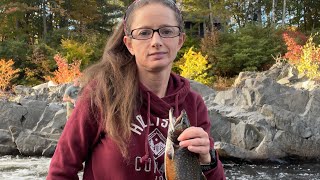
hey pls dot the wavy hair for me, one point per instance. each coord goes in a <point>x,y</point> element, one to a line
<point>113,81</point>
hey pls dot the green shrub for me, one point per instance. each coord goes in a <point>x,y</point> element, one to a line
<point>247,49</point>
<point>73,50</point>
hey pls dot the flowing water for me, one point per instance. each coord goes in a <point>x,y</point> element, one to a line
<point>22,168</point>
<point>273,171</point>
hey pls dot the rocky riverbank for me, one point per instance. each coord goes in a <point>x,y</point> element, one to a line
<point>266,115</point>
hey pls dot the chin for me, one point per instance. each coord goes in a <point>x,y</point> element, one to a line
<point>155,69</point>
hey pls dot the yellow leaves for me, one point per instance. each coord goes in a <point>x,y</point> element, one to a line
<point>7,73</point>
<point>309,60</point>
<point>65,72</point>
<point>306,58</point>
<point>195,67</point>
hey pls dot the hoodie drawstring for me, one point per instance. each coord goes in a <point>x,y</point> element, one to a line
<point>176,103</point>
<point>146,142</point>
<point>146,145</point>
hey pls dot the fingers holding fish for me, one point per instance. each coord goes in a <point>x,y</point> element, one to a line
<point>197,141</point>
<point>195,136</point>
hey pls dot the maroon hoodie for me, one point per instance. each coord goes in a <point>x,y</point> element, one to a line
<point>82,140</point>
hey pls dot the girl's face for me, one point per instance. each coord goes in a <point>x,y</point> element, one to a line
<point>157,53</point>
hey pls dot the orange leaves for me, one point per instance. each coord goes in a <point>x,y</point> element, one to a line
<point>7,73</point>
<point>294,50</point>
<point>305,56</point>
<point>65,72</point>
<point>294,41</point>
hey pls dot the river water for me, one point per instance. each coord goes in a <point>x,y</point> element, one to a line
<point>22,168</point>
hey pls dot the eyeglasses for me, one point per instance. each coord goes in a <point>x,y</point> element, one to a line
<point>147,33</point>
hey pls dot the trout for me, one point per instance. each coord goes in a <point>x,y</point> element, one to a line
<point>180,163</point>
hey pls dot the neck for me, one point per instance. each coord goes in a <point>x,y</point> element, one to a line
<point>156,82</point>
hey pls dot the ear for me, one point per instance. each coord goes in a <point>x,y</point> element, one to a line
<point>128,42</point>
<point>182,38</point>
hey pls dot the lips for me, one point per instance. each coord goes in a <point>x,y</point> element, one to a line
<point>158,55</point>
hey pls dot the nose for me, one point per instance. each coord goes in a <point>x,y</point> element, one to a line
<point>156,40</point>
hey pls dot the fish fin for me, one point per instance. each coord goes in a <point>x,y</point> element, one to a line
<point>170,173</point>
<point>170,155</point>
<point>170,152</point>
<point>171,120</point>
<point>187,121</point>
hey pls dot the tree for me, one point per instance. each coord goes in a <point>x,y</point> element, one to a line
<point>284,13</point>
<point>7,73</point>
<point>273,11</point>
<point>65,72</point>
<point>243,50</point>
<point>74,51</point>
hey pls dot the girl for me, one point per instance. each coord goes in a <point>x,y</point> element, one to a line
<point>120,123</point>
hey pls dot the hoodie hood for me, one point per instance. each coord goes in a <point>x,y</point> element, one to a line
<point>177,90</point>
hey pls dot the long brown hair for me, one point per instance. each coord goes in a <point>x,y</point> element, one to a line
<point>115,80</point>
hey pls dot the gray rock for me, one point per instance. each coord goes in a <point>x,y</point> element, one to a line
<point>35,110</point>
<point>30,143</point>
<point>201,88</point>
<point>47,116</point>
<point>245,135</point>
<point>7,146</point>
<point>48,152</point>
<point>11,114</point>
<point>56,125</point>
<point>270,119</point>
<point>32,122</point>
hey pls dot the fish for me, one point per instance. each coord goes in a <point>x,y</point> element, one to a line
<point>180,163</point>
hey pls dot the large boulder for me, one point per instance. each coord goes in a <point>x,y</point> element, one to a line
<point>30,143</point>
<point>12,114</point>
<point>32,122</point>
<point>35,110</point>
<point>268,115</point>
<point>56,125</point>
<point>47,116</point>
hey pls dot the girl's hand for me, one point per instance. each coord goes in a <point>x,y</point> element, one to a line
<point>197,141</point>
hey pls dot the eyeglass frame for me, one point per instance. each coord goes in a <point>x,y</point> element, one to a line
<point>155,30</point>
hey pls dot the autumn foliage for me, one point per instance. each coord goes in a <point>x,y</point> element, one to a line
<point>65,72</point>
<point>305,57</point>
<point>294,41</point>
<point>309,61</point>
<point>7,73</point>
<point>196,67</point>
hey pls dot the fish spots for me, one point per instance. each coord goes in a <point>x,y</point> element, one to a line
<point>180,163</point>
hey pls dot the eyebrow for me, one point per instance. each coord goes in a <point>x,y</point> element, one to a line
<point>149,27</point>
